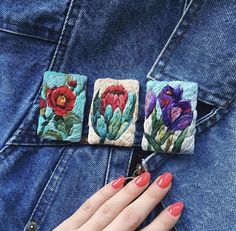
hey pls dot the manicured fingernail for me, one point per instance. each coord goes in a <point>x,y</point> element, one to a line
<point>143,179</point>
<point>176,208</point>
<point>164,180</point>
<point>117,183</point>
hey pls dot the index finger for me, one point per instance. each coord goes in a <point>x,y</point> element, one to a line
<point>91,205</point>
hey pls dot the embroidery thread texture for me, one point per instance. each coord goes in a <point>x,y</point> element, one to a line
<point>62,103</point>
<point>113,112</point>
<point>170,116</point>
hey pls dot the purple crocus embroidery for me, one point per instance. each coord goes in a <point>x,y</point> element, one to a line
<point>150,103</point>
<point>176,113</point>
<point>169,95</point>
<point>170,109</point>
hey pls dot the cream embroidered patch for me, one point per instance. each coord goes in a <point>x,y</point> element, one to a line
<point>113,112</point>
<point>170,116</point>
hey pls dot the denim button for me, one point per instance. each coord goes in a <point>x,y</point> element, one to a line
<point>32,226</point>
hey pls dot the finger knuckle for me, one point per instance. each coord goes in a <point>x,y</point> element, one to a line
<point>87,207</point>
<point>130,217</point>
<point>130,192</point>
<point>151,194</point>
<point>107,211</point>
<point>104,193</point>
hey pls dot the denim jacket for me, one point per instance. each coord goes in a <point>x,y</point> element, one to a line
<point>43,182</point>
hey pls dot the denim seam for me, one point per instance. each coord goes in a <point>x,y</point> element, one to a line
<point>51,188</point>
<point>15,23</point>
<point>160,61</point>
<point>172,43</point>
<point>72,15</point>
<point>60,42</point>
<point>63,32</point>
<point>185,5</point>
<point>129,163</point>
<point>207,116</point>
<point>36,96</point>
<point>26,35</point>
<point>199,122</point>
<point>108,167</point>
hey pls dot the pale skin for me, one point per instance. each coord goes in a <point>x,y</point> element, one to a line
<point>116,207</point>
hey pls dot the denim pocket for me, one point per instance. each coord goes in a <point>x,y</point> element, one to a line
<point>39,19</point>
<point>28,49</point>
<point>201,50</point>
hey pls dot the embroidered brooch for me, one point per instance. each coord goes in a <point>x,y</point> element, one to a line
<point>62,103</point>
<point>113,112</point>
<point>170,116</point>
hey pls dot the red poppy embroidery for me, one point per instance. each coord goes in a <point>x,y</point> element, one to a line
<point>61,100</point>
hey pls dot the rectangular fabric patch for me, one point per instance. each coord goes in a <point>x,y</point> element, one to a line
<point>62,103</point>
<point>170,116</point>
<point>113,112</point>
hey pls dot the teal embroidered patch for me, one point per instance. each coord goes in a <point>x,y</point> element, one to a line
<point>62,103</point>
<point>170,116</point>
<point>114,112</point>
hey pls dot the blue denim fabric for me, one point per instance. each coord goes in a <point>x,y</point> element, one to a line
<point>43,182</point>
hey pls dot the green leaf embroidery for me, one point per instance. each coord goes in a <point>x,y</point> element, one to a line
<point>65,124</point>
<point>115,124</point>
<point>101,128</point>
<point>69,78</point>
<point>129,110</point>
<point>168,143</point>
<point>122,129</point>
<point>178,143</point>
<point>52,133</point>
<point>45,123</point>
<point>156,124</point>
<point>108,113</point>
<point>165,137</point>
<point>42,111</point>
<point>153,143</point>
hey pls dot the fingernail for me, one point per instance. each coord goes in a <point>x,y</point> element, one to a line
<point>164,180</point>
<point>176,208</point>
<point>143,179</point>
<point>117,183</point>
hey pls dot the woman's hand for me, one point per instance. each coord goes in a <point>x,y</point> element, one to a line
<point>116,207</point>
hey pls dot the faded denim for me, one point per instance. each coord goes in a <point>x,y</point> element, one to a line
<point>43,182</point>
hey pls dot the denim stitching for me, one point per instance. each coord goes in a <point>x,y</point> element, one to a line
<point>15,23</point>
<point>129,163</point>
<point>185,5</point>
<point>57,48</point>
<point>178,33</point>
<point>27,35</point>
<point>40,209</point>
<point>160,59</point>
<point>108,167</point>
<point>62,34</point>
<point>75,13</point>
<point>37,95</point>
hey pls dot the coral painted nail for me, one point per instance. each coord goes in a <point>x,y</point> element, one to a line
<point>117,183</point>
<point>143,179</point>
<point>164,180</point>
<point>176,208</point>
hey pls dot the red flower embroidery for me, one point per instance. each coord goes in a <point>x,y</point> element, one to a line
<point>61,100</point>
<point>72,83</point>
<point>42,103</point>
<point>116,96</point>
